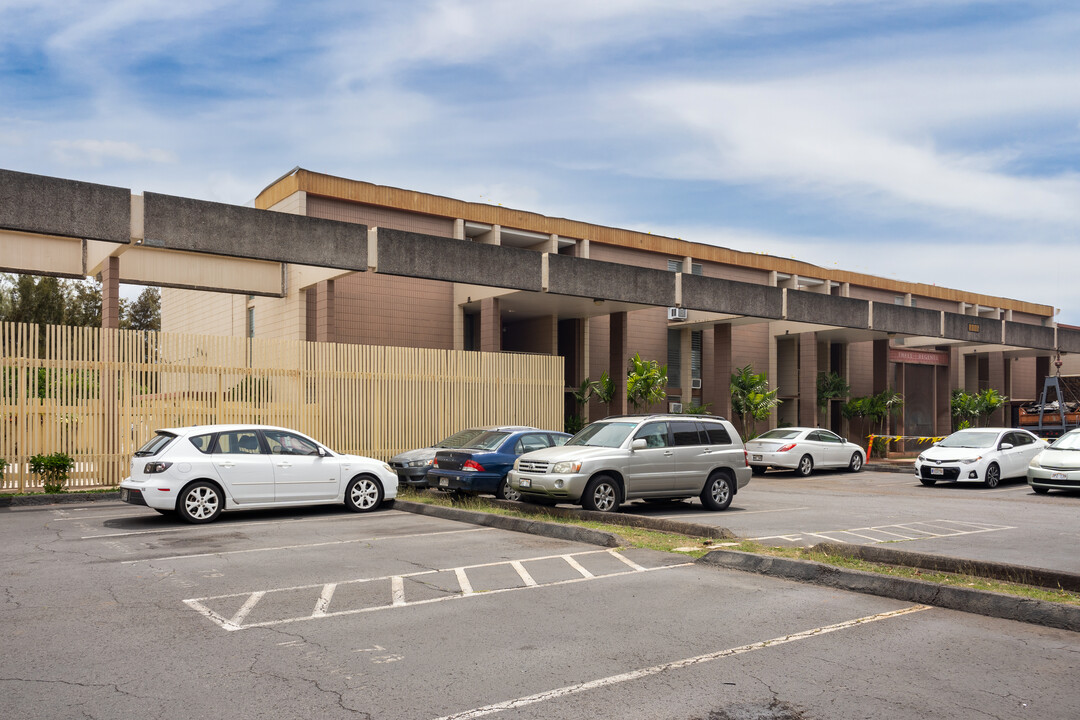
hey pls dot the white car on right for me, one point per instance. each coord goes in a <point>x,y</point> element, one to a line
<point>986,455</point>
<point>1058,466</point>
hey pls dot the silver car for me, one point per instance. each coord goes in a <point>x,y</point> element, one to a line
<point>647,457</point>
<point>1058,466</point>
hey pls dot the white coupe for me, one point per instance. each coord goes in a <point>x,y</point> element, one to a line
<point>196,472</point>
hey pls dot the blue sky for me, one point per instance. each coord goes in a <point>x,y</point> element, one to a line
<point>934,141</point>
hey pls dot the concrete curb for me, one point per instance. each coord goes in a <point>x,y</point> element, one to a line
<point>1036,612</point>
<point>1023,574</point>
<point>535,527</point>
<point>637,521</point>
<point>890,467</point>
<point>54,498</point>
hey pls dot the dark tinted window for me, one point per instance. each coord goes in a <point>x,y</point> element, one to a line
<point>655,434</point>
<point>238,442</point>
<point>685,433</point>
<point>1023,438</point>
<point>460,439</point>
<point>826,436</point>
<point>717,434</point>
<point>155,445</point>
<point>531,442</point>
<point>202,443</point>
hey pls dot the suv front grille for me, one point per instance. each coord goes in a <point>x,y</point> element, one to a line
<point>533,466</point>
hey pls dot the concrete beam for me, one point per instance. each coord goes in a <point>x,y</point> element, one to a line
<point>1068,340</point>
<point>802,306</point>
<point>730,296</point>
<point>174,223</point>
<point>64,208</point>
<point>41,255</point>
<point>609,281</point>
<point>902,320</point>
<point>970,328</point>
<point>303,277</point>
<point>192,271</point>
<point>439,258</point>
<point>1030,336</point>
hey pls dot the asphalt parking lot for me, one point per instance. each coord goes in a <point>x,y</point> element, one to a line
<point>111,611</point>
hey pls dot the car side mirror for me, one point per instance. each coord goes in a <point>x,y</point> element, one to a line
<point>639,444</point>
<point>1006,446</point>
<point>322,452</point>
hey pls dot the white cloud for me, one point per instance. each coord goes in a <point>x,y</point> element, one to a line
<point>98,152</point>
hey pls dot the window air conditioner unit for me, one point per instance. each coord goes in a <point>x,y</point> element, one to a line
<point>676,313</point>
<point>674,407</point>
<point>695,384</point>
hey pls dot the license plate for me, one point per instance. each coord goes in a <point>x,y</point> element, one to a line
<point>1058,476</point>
<point>444,482</point>
<point>757,457</point>
<point>525,482</point>
<point>937,471</point>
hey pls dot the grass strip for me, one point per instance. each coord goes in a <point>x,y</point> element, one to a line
<point>672,542</point>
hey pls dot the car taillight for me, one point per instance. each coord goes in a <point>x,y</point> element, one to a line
<point>152,468</point>
<point>787,447</point>
<point>746,457</point>
<point>472,466</point>
<point>434,462</point>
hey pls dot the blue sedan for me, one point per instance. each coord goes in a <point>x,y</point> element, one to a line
<point>482,467</point>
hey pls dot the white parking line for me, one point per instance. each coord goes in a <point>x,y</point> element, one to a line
<point>676,665</point>
<point>308,545</point>
<point>737,514</point>
<point>918,530</point>
<point>398,591</point>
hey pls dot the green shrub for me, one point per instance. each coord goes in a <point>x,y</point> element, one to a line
<point>53,470</point>
<point>3,464</point>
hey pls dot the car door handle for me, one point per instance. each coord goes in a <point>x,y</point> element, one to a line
<point>228,464</point>
<point>284,465</point>
<point>668,453</point>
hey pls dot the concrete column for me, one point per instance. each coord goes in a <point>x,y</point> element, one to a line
<point>325,324</point>
<point>881,366</point>
<point>942,402</point>
<point>491,237</point>
<point>720,387</point>
<point>1043,369</point>
<point>459,229</point>
<point>582,248</point>
<point>999,382</point>
<point>618,357</point>
<point>808,371</point>
<point>110,293</point>
<point>490,325</point>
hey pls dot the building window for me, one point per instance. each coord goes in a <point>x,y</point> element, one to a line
<point>677,265</point>
<point>251,322</point>
<point>674,356</point>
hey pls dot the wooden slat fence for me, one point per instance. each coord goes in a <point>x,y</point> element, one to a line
<point>98,394</point>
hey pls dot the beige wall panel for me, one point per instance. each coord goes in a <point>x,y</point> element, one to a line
<point>379,217</point>
<point>40,254</point>
<point>157,267</point>
<point>193,311</point>
<point>861,368</point>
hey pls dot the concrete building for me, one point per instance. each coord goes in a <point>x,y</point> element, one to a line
<point>918,339</point>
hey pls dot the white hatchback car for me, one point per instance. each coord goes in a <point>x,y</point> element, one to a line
<point>199,471</point>
<point>986,455</point>
<point>803,449</point>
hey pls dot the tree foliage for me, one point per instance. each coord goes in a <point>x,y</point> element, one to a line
<point>751,398</point>
<point>975,408</point>
<point>646,382</point>
<point>47,300</point>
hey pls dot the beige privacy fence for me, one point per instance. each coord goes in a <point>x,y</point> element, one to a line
<point>98,394</point>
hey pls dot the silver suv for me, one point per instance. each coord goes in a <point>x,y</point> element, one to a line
<point>638,456</point>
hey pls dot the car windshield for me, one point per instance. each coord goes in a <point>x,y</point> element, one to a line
<point>1068,441</point>
<point>602,434</point>
<point>973,439</point>
<point>460,439</point>
<point>154,446</point>
<point>488,440</point>
<point>779,435</point>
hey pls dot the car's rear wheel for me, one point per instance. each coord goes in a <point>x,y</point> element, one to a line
<point>364,494</point>
<point>718,492</point>
<point>856,462</point>
<point>993,475</point>
<point>805,466</point>
<point>505,492</point>
<point>200,502</point>
<point>928,482</point>
<point>601,495</point>
<point>1040,490</point>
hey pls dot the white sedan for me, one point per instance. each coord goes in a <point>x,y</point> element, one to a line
<point>199,471</point>
<point>803,449</point>
<point>986,455</point>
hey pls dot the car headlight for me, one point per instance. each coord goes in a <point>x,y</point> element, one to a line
<point>387,468</point>
<point>1035,462</point>
<point>921,459</point>
<point>418,463</point>
<point>517,462</point>
<point>566,467</point>
<point>970,461</point>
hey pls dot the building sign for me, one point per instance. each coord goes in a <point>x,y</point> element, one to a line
<point>972,327</point>
<point>919,357</point>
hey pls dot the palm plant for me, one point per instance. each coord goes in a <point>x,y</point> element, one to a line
<point>646,382</point>
<point>751,398</point>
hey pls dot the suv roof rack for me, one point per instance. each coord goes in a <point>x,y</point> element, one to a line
<point>691,415</point>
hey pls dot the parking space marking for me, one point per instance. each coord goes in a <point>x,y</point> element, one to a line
<point>308,545</point>
<point>899,532</point>
<point>523,573</point>
<point>397,593</point>
<point>676,665</point>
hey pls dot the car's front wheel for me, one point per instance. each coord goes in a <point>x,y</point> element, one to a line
<point>200,502</point>
<point>718,492</point>
<point>601,495</point>
<point>1040,490</point>
<point>993,475</point>
<point>364,494</point>
<point>506,492</point>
